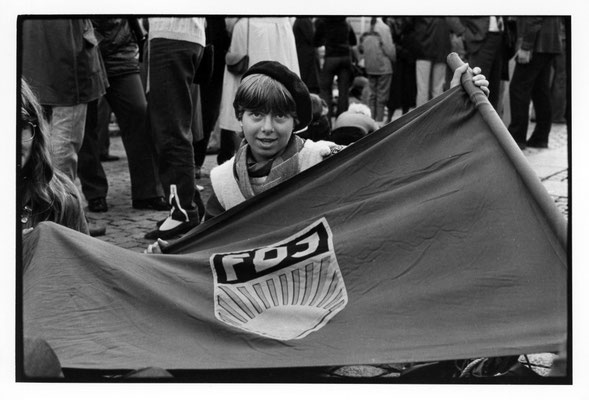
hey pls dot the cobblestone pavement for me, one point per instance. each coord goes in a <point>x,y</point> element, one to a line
<point>127,226</point>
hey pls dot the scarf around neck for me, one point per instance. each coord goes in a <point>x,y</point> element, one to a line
<point>255,177</point>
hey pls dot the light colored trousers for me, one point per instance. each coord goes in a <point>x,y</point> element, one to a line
<point>66,135</point>
<point>430,78</point>
<point>380,86</point>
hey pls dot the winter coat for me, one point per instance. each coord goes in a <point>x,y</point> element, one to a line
<point>539,34</point>
<point>61,61</point>
<point>431,39</point>
<point>378,49</point>
<point>336,34</point>
<point>308,62</point>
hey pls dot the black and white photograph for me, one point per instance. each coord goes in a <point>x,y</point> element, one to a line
<point>348,198</point>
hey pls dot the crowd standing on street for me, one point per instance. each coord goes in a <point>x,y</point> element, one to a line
<point>82,70</point>
<point>171,82</point>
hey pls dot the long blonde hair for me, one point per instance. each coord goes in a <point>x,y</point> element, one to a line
<point>51,193</point>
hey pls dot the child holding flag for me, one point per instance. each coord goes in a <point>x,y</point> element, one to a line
<point>272,103</point>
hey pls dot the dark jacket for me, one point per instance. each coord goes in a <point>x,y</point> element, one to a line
<point>61,61</point>
<point>539,34</point>
<point>336,34</point>
<point>118,46</point>
<point>431,38</point>
<point>473,29</point>
<point>304,33</point>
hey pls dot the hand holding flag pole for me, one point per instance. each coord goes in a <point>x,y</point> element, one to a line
<point>488,113</point>
<point>474,84</point>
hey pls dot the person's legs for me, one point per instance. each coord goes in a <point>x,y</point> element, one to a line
<point>66,135</point>
<point>102,122</point>
<point>383,87</point>
<point>438,79</point>
<point>196,126</point>
<point>409,85</point>
<point>90,171</point>
<point>344,80</point>
<point>200,151</point>
<point>422,79</point>
<point>520,89</point>
<point>558,88</point>
<point>372,82</point>
<point>489,59</point>
<point>326,82</point>
<point>127,100</point>
<point>211,93</point>
<point>171,73</point>
<point>394,98</point>
<point>173,65</point>
<point>227,145</point>
<point>541,100</point>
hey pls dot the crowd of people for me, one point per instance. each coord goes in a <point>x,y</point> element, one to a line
<point>171,82</point>
<point>285,93</point>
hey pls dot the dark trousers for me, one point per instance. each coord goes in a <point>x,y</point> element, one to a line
<point>558,87</point>
<point>531,82</point>
<point>172,68</point>
<point>342,68</point>
<point>229,141</point>
<point>489,59</point>
<point>126,98</point>
<point>103,121</point>
<point>210,93</point>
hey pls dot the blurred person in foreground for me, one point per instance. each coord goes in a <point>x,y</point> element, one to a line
<point>62,64</point>
<point>46,193</point>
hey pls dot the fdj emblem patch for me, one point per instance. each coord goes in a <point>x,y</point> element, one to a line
<point>283,291</point>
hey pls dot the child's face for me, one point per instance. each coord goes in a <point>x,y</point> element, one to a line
<point>267,134</point>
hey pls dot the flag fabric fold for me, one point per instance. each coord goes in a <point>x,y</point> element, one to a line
<point>420,242</point>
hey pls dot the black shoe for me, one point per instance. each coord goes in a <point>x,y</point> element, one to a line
<point>154,203</point>
<point>537,144</point>
<point>200,206</point>
<point>97,205</point>
<point>183,223</point>
<point>96,229</point>
<point>178,222</point>
<point>177,231</point>
<point>108,157</point>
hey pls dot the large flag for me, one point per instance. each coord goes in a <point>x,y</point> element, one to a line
<point>426,240</point>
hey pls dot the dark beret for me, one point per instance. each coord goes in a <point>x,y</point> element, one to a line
<point>292,82</point>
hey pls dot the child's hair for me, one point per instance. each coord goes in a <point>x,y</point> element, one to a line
<point>259,92</point>
<point>49,189</point>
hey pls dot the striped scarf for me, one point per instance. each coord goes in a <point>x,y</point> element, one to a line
<point>255,177</point>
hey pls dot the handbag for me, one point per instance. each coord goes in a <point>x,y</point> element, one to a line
<point>204,72</point>
<point>238,63</point>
